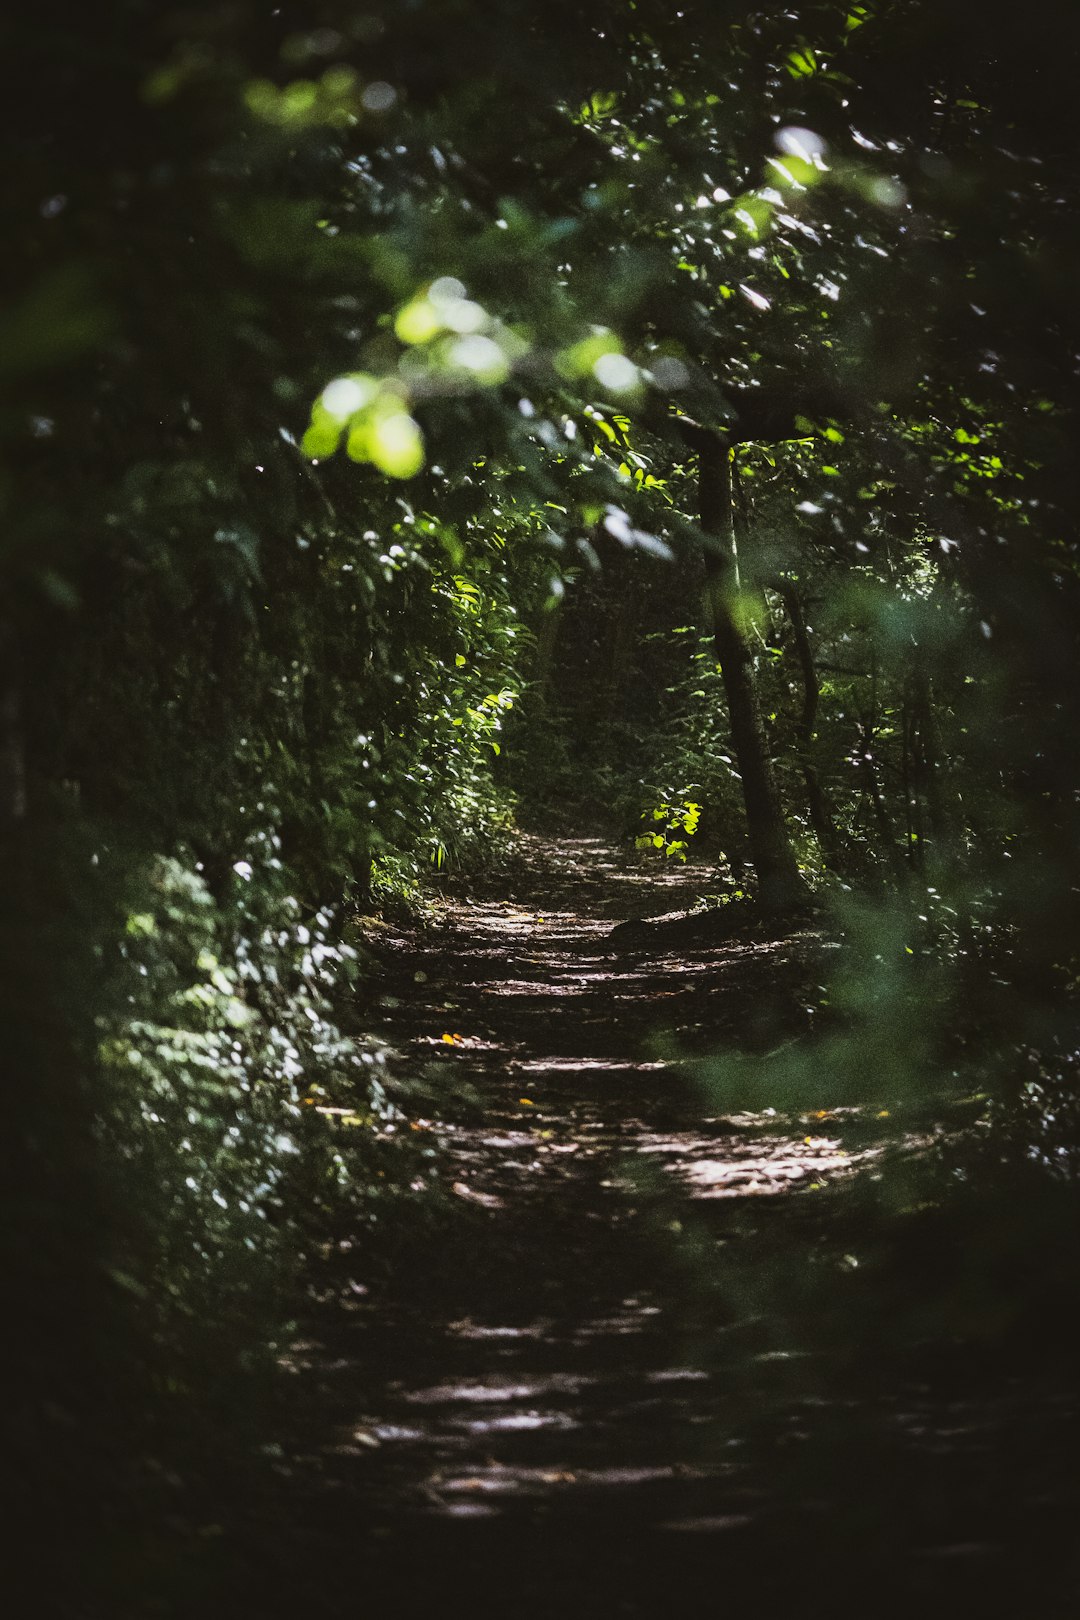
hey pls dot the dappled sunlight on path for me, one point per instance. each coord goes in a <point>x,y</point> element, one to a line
<point>620,1335</point>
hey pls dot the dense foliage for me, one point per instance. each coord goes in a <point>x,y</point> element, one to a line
<point>368,371</point>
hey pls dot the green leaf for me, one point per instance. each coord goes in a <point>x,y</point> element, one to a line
<point>396,445</point>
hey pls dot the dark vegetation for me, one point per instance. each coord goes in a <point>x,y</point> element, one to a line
<point>425,421</point>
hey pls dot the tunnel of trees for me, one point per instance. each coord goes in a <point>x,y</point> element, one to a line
<point>423,421</point>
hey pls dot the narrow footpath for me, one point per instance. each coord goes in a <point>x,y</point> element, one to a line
<point>628,1364</point>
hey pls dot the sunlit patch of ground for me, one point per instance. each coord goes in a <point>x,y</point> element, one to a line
<point>611,1326</point>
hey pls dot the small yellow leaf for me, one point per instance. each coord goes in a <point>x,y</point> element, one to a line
<point>883,1113</point>
<point>526,1102</point>
<point>451,1040</point>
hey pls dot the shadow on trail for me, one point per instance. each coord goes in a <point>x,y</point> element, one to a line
<point>631,1368</point>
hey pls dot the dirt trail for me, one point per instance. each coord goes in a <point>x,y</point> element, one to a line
<point>605,1380</point>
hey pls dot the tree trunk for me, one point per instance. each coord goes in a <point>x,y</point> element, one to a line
<point>779,881</point>
<point>820,818</point>
<point>928,763</point>
<point>896,857</point>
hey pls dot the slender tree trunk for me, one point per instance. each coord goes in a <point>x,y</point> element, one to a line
<point>927,754</point>
<point>896,857</point>
<point>817,805</point>
<point>778,878</point>
<point>874,794</point>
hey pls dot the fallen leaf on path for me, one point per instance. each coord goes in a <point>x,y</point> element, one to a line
<point>461,1189</point>
<point>343,1116</point>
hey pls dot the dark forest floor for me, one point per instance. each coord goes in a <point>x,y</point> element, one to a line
<point>639,1361</point>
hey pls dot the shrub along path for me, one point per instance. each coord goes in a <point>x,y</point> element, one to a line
<point>639,1358</point>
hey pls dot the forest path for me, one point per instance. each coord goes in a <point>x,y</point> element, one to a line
<point>611,1374</point>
